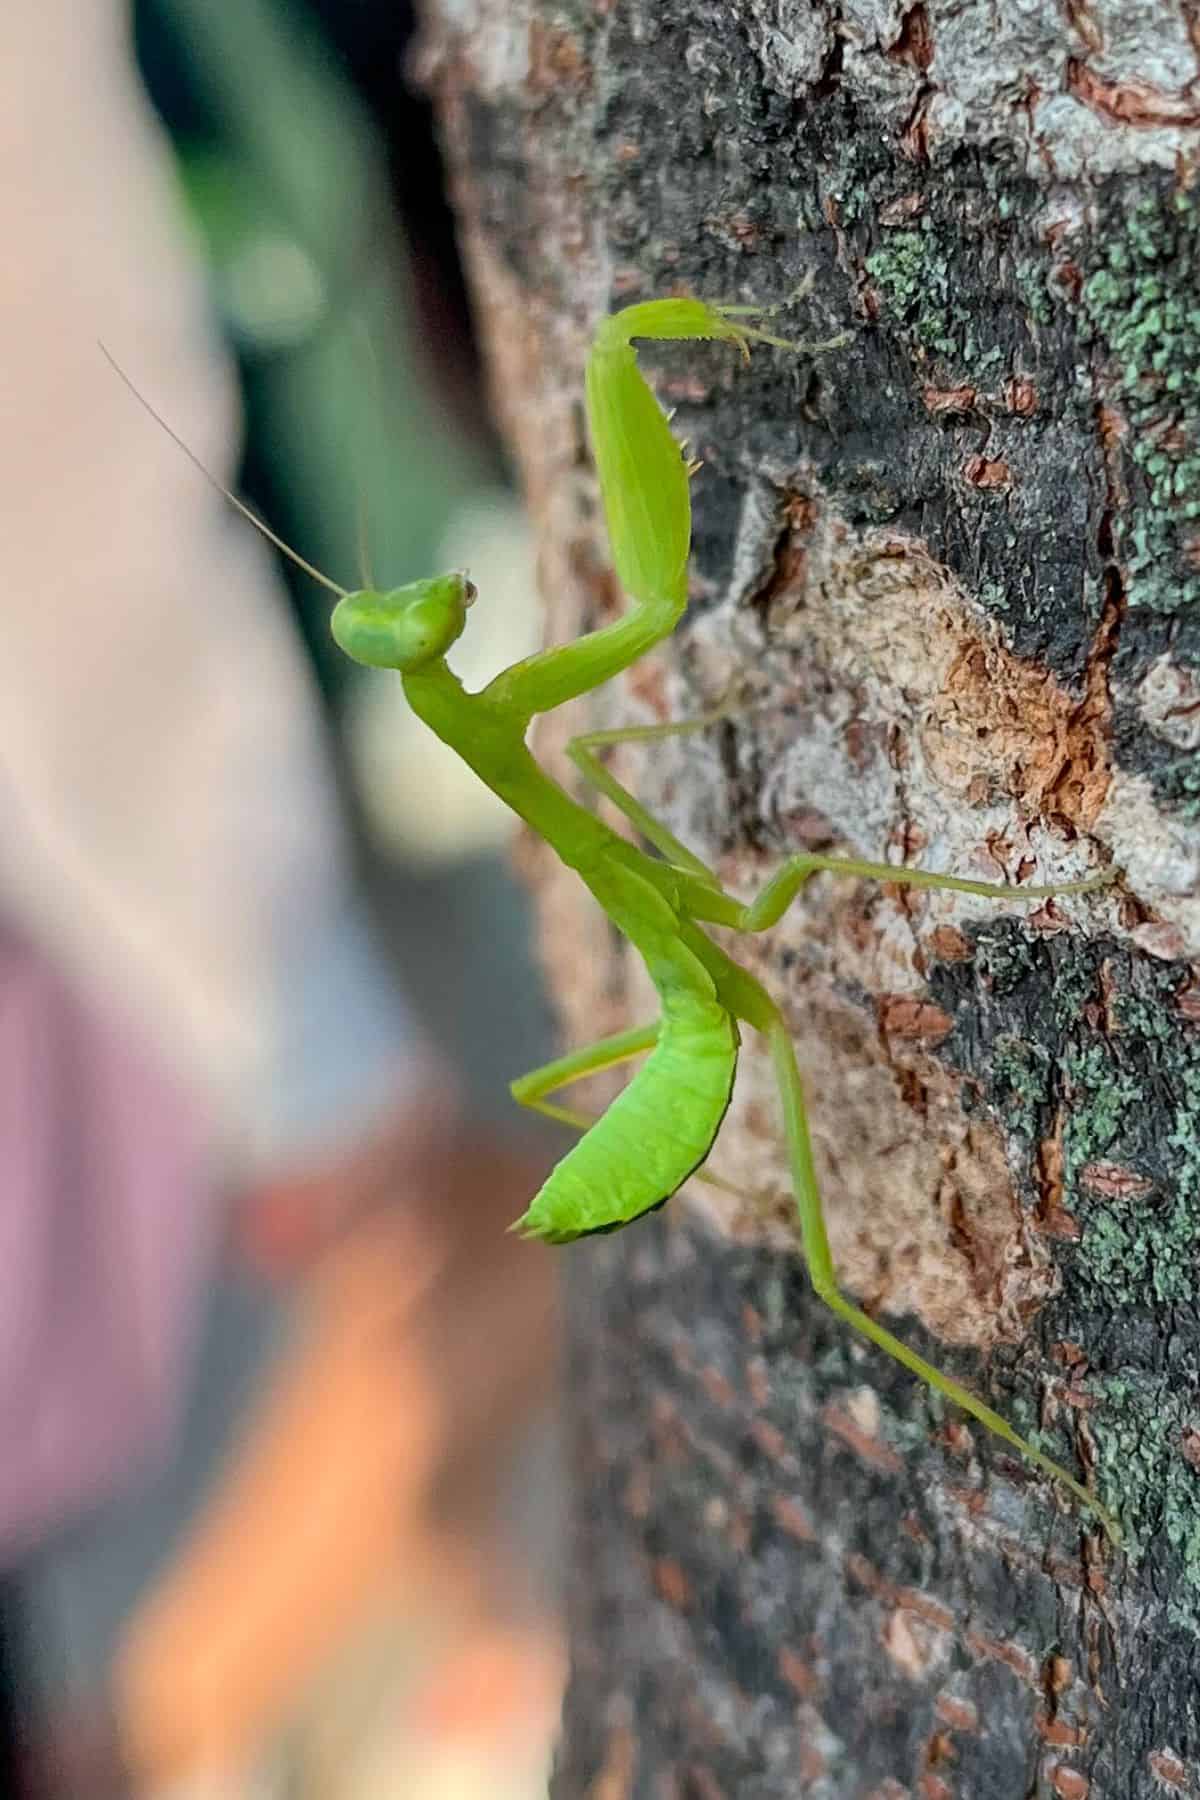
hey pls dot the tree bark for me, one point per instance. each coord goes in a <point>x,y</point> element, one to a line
<point>957,566</point>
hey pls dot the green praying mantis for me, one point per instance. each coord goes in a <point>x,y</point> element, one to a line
<point>662,1126</point>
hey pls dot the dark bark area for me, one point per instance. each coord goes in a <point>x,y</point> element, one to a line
<point>960,562</point>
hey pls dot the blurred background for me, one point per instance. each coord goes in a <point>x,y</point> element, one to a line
<point>280,1507</point>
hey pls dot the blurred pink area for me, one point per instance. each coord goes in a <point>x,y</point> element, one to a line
<point>106,1227</point>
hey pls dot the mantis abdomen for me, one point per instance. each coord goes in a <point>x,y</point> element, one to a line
<point>662,1126</point>
<point>655,1134</point>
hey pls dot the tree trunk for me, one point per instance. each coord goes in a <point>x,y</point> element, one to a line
<point>957,566</point>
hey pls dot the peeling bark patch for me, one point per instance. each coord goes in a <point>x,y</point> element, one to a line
<point>876,1583</point>
<point>959,1715</point>
<point>987,473</point>
<point>798,1673</point>
<point>718,1389</point>
<point>918,1021</point>
<point>864,1444</point>
<point>1170,1770</point>
<point>1021,397</point>
<point>790,1516</point>
<point>1132,102</point>
<point>946,401</point>
<point>915,42</point>
<point>1013,1657</point>
<point>912,1644</point>
<point>1069,1784</point>
<point>949,945</point>
<point>758,1384</point>
<point>771,1441</point>
<point>986,722</point>
<point>1115,1182</point>
<point>556,58</point>
<point>1059,1732</point>
<point>672,1585</point>
<point>1053,748</point>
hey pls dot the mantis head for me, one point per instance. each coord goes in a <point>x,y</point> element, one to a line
<point>405,628</point>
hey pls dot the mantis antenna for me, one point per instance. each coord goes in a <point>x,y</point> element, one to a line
<point>362,506</point>
<point>363,523</point>
<point>251,517</point>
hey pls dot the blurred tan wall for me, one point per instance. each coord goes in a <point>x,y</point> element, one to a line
<point>162,801</point>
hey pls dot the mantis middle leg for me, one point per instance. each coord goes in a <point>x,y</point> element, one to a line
<point>711,903</point>
<point>714,906</point>
<point>769,906</point>
<point>582,750</point>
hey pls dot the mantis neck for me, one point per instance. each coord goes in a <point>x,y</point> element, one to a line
<point>490,739</point>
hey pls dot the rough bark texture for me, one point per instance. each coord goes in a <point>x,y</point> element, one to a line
<point>959,564</point>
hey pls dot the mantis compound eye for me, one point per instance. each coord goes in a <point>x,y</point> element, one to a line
<point>405,628</point>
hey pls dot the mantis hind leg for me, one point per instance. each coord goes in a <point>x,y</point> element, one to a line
<point>824,1278</point>
<point>582,751</point>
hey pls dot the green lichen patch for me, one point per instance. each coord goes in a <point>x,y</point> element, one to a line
<point>1090,1036</point>
<point>1085,1042</point>
<point>961,298</point>
<point>1141,304</point>
<point>920,281</point>
<point>914,280</point>
<point>1145,1475</point>
<point>1133,1100</point>
<point>1022,1075</point>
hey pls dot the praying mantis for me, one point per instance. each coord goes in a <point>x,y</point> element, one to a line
<point>662,1126</point>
